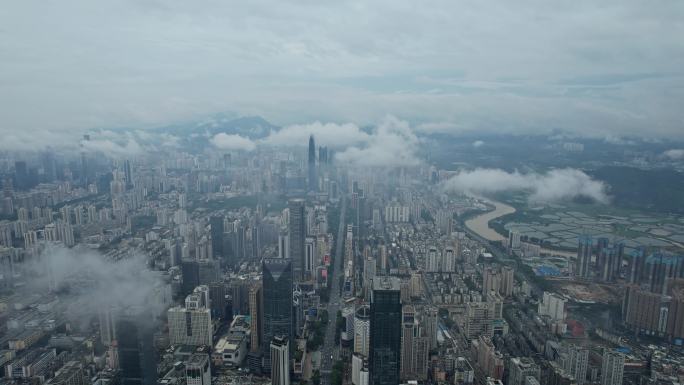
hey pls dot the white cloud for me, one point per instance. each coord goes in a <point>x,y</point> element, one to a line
<point>128,282</point>
<point>114,148</point>
<point>478,143</point>
<point>326,134</point>
<point>675,154</point>
<point>554,185</point>
<point>229,142</point>
<point>392,144</point>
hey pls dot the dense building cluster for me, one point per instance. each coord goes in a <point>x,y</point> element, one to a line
<point>283,267</point>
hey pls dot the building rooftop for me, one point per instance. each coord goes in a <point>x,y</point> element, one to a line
<point>386,283</point>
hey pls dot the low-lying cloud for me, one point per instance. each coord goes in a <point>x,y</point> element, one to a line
<point>326,134</point>
<point>232,142</point>
<point>85,280</point>
<point>114,148</point>
<point>675,154</point>
<point>392,144</point>
<point>554,185</point>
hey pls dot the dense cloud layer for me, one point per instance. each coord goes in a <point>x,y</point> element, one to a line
<point>614,68</point>
<point>392,144</point>
<point>554,185</point>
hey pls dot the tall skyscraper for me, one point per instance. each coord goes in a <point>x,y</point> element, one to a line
<point>385,334</point>
<point>135,348</point>
<point>128,174</point>
<point>189,276</point>
<point>609,260</point>
<point>283,244</point>
<point>216,224</point>
<point>661,269</point>
<point>21,177</point>
<point>297,230</point>
<point>414,346</point>
<point>277,303</point>
<point>613,368</point>
<point>584,252</point>
<point>430,322</point>
<point>218,303</point>
<point>313,175</point>
<point>280,360</point>
<point>256,314</point>
<point>637,265</point>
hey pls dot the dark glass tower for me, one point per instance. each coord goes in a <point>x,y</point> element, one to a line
<point>277,303</point>
<point>385,332</point>
<point>297,230</point>
<point>190,276</point>
<point>135,345</point>
<point>128,173</point>
<point>313,178</point>
<point>216,224</point>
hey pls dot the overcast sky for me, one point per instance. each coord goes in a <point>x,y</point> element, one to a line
<point>606,68</point>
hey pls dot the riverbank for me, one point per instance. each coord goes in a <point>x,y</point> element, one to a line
<point>480,226</point>
<point>480,223</point>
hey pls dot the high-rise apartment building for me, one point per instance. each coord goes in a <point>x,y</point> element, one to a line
<point>584,254</point>
<point>362,330</point>
<point>613,368</point>
<point>552,306</point>
<point>576,363</point>
<point>520,368</point>
<point>280,360</point>
<point>191,324</point>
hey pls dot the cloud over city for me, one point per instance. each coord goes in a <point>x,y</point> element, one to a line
<point>232,142</point>
<point>392,144</point>
<point>326,134</point>
<point>554,185</point>
<point>674,154</point>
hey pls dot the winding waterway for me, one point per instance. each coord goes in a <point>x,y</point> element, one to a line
<point>480,225</point>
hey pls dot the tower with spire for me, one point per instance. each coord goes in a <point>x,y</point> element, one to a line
<point>313,176</point>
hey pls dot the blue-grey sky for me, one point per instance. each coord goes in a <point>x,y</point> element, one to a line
<point>608,68</point>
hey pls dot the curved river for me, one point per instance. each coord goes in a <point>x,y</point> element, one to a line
<point>480,225</point>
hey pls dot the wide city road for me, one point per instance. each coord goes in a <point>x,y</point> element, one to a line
<point>330,349</point>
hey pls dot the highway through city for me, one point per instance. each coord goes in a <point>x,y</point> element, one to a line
<point>330,349</point>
